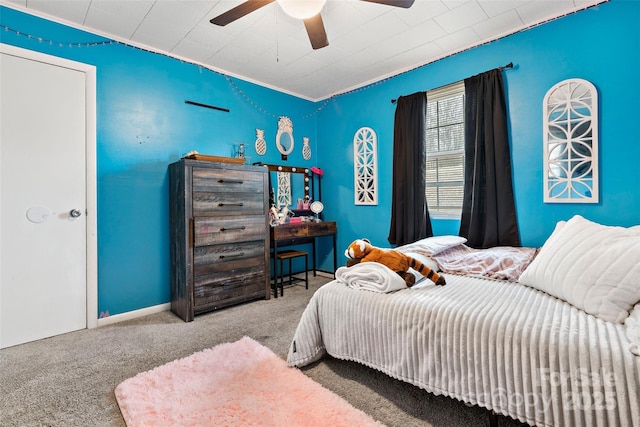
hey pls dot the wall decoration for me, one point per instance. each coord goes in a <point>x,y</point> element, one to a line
<point>284,137</point>
<point>306,148</point>
<point>570,111</point>
<point>261,144</point>
<point>284,189</point>
<point>365,167</point>
<point>293,188</point>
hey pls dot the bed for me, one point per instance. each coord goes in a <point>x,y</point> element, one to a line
<point>522,343</point>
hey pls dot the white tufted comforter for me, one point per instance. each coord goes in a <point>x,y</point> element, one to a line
<point>500,345</point>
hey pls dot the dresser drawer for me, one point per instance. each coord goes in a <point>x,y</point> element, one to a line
<point>205,203</point>
<point>311,229</point>
<point>223,289</point>
<point>215,230</point>
<point>227,181</point>
<point>228,257</point>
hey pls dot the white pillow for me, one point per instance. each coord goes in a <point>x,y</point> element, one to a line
<point>423,259</point>
<point>591,266</point>
<point>436,244</point>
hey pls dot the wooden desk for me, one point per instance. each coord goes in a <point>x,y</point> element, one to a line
<point>297,234</point>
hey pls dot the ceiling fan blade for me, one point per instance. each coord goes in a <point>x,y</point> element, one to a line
<point>398,3</point>
<point>317,34</point>
<point>239,11</point>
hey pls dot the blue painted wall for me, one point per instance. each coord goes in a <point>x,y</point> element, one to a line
<point>600,44</point>
<point>143,125</point>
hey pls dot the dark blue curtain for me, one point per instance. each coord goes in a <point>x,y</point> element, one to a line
<point>409,214</point>
<point>488,210</point>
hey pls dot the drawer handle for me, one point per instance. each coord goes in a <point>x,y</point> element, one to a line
<point>242,227</point>
<point>230,204</point>
<point>231,181</point>
<point>241,254</point>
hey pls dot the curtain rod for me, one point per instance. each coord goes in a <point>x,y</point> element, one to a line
<point>509,65</point>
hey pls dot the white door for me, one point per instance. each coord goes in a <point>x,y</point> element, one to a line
<point>43,200</point>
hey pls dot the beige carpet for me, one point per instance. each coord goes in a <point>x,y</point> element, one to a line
<point>69,380</point>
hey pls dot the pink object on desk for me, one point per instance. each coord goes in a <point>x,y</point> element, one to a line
<point>295,220</point>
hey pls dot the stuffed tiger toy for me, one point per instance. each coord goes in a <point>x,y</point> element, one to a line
<point>361,250</point>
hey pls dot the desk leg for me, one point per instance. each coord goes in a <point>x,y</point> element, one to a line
<point>275,269</point>
<point>335,256</point>
<point>313,250</point>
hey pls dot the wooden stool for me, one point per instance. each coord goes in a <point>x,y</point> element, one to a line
<point>290,255</point>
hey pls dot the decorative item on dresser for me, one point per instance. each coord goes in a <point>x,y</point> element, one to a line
<point>219,235</point>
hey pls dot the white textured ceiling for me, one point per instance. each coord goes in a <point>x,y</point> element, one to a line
<point>367,41</point>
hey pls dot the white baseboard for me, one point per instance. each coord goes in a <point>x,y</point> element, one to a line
<point>109,320</point>
<point>325,274</point>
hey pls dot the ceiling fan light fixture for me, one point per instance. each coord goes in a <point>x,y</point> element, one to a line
<point>302,9</point>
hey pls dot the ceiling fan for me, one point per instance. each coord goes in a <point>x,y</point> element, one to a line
<point>307,10</point>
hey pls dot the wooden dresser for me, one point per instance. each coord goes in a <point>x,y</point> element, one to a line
<point>219,235</point>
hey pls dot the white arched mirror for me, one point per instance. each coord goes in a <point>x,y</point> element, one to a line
<point>570,110</point>
<point>365,166</point>
<point>284,137</point>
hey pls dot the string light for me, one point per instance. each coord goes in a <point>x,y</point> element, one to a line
<point>317,110</point>
<point>264,111</point>
<point>255,104</point>
<point>360,89</point>
<point>232,84</point>
<point>51,42</point>
<point>235,88</point>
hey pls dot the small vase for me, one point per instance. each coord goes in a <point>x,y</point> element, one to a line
<point>261,144</point>
<point>306,148</point>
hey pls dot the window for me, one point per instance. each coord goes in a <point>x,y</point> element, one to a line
<point>445,151</point>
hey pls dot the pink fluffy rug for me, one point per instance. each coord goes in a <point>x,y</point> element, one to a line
<point>232,384</point>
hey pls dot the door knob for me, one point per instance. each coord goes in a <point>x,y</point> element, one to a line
<point>75,213</point>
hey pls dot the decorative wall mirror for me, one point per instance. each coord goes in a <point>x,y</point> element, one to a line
<point>365,167</point>
<point>284,137</point>
<point>296,182</point>
<point>570,110</point>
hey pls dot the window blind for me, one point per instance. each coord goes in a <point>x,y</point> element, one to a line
<point>445,150</point>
